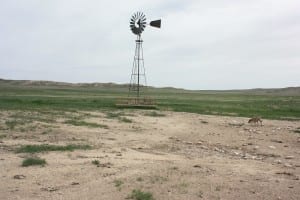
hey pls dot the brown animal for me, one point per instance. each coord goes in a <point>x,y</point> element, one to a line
<point>255,120</point>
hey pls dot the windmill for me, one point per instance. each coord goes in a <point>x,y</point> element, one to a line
<point>138,76</point>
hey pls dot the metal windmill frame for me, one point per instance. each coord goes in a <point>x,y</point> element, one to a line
<point>138,81</point>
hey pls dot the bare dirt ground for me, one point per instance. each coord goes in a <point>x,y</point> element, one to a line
<point>175,156</point>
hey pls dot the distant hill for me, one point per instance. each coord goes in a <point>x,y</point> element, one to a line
<point>289,91</point>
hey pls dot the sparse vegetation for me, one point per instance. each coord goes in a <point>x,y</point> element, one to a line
<point>47,147</point>
<point>112,115</point>
<point>154,114</point>
<point>124,119</point>
<point>33,161</point>
<point>11,124</point>
<point>297,130</point>
<point>200,194</point>
<point>158,179</point>
<point>96,162</point>
<point>140,195</point>
<point>118,115</point>
<point>118,184</point>
<point>139,179</point>
<point>33,116</point>
<point>2,136</point>
<point>182,187</point>
<point>269,104</point>
<point>83,123</point>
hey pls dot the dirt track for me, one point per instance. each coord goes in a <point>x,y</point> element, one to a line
<point>176,156</point>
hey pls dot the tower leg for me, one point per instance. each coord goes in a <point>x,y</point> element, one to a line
<point>138,76</point>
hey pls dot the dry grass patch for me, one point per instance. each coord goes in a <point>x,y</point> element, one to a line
<point>33,161</point>
<point>47,147</point>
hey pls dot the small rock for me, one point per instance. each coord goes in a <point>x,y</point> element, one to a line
<point>50,189</point>
<point>289,157</point>
<point>118,154</point>
<point>272,147</point>
<point>256,147</point>
<point>285,173</point>
<point>189,143</point>
<point>278,161</point>
<point>199,143</point>
<point>197,166</point>
<point>74,183</point>
<point>277,141</point>
<point>288,165</point>
<point>19,176</point>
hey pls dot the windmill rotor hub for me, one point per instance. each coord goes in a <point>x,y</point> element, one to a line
<point>138,23</point>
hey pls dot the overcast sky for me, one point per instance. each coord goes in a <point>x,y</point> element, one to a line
<point>215,44</point>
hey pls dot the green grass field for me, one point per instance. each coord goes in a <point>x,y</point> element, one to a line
<point>271,104</point>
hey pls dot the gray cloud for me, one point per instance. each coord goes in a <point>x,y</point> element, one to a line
<point>202,45</point>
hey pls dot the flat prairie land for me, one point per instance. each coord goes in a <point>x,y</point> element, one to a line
<point>71,142</point>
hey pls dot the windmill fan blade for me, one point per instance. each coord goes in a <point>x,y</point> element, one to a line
<point>156,23</point>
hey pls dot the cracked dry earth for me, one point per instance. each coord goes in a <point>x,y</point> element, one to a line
<point>175,156</point>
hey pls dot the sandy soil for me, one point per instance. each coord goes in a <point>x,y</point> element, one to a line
<point>176,156</point>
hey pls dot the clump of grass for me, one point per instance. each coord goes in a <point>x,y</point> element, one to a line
<point>297,130</point>
<point>46,147</point>
<point>33,161</point>
<point>2,136</point>
<point>154,114</point>
<point>117,115</point>
<point>11,124</point>
<point>204,122</point>
<point>126,120</point>
<point>158,179</point>
<point>96,162</point>
<point>113,115</point>
<point>139,179</point>
<point>182,187</point>
<point>140,195</point>
<point>118,184</point>
<point>83,123</point>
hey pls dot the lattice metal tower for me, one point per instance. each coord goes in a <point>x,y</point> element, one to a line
<point>138,81</point>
